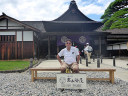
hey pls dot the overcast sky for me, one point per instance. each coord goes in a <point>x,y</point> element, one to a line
<point>46,10</point>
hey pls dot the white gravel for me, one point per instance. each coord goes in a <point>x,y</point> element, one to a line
<point>19,84</point>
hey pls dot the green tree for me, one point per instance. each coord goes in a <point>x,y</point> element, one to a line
<point>116,15</point>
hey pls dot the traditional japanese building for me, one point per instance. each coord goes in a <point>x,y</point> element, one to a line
<point>117,42</point>
<point>26,39</point>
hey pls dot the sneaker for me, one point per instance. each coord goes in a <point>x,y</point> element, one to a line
<point>80,90</point>
<point>62,89</point>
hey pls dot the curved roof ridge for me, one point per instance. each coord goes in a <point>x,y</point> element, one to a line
<point>73,14</point>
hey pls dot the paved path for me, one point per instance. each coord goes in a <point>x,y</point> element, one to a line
<point>121,66</point>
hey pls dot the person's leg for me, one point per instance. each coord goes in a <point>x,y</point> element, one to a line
<point>63,67</point>
<point>75,68</point>
<point>88,57</point>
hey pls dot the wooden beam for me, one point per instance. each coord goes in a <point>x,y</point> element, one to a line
<point>7,23</point>
<point>45,77</point>
<point>33,46</point>
<point>81,69</point>
<point>11,26</point>
<point>5,30</point>
<point>101,79</point>
<point>111,73</point>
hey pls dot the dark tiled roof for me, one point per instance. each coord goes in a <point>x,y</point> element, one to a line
<point>119,31</point>
<point>114,31</point>
<point>3,16</point>
<point>73,20</point>
<point>36,24</point>
<point>52,26</point>
<point>73,14</point>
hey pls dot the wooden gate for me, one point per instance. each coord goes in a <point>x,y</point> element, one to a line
<point>7,47</point>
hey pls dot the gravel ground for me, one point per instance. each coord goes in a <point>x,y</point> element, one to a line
<point>18,84</point>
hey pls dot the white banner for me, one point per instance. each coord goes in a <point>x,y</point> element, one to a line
<point>71,81</point>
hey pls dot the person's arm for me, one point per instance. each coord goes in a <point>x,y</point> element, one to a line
<point>78,58</point>
<point>77,55</point>
<point>58,57</point>
<point>86,50</point>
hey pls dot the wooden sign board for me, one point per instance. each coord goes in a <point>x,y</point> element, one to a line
<point>71,81</point>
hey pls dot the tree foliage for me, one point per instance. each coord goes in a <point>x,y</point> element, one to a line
<point>116,15</point>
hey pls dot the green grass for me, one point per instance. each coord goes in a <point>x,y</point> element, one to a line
<point>13,65</point>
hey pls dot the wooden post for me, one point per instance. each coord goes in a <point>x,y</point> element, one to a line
<point>7,23</point>
<point>38,50</point>
<point>8,51</point>
<point>22,46</point>
<point>33,46</point>
<point>49,47</point>
<point>0,38</point>
<point>16,46</point>
<point>112,74</point>
<point>57,49</point>
<point>32,76</point>
<point>35,73</point>
<point>99,45</point>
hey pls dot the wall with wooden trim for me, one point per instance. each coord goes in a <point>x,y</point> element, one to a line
<point>13,50</point>
<point>19,43</point>
<point>13,45</point>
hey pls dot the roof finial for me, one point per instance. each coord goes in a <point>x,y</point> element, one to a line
<point>3,13</point>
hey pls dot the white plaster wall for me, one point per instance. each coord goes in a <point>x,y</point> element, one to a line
<point>11,23</point>
<point>19,35</point>
<point>3,23</point>
<point>7,33</point>
<point>28,36</point>
<point>16,27</point>
<point>123,46</point>
<point>109,47</point>
<point>116,47</point>
<point>3,27</point>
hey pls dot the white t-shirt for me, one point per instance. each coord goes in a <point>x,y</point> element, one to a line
<point>87,48</point>
<point>69,56</point>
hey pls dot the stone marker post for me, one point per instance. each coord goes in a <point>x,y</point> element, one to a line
<point>30,66</point>
<point>98,62</point>
<point>101,59</point>
<point>93,56</point>
<point>80,60</point>
<point>86,61</point>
